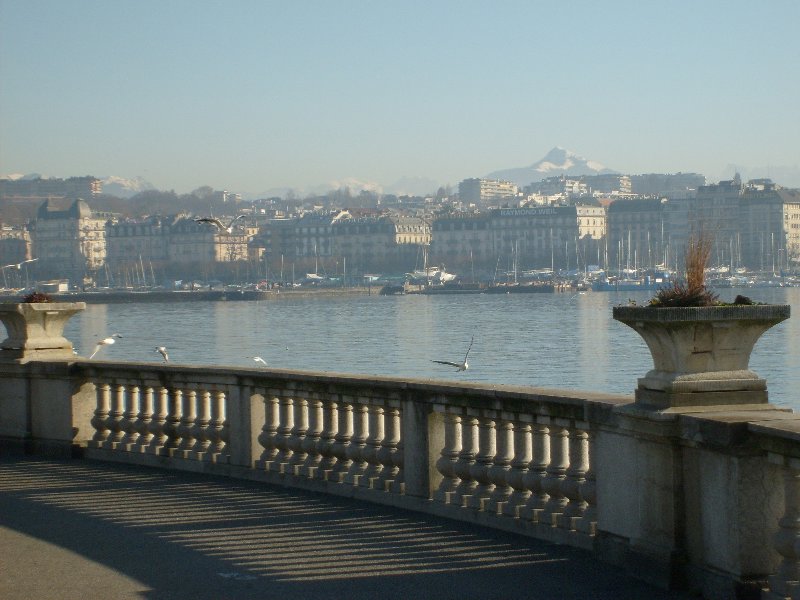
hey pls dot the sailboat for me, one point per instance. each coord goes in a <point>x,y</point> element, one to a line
<point>429,275</point>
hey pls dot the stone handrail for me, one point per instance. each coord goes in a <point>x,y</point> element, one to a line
<point>709,496</point>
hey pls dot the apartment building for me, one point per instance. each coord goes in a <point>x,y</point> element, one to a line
<point>462,241</point>
<point>73,187</point>
<point>485,192</point>
<point>69,242</point>
<point>635,233</point>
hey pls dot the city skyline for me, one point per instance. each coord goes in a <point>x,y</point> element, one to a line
<point>255,96</point>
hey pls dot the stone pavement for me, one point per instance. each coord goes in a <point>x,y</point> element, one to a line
<point>77,529</point>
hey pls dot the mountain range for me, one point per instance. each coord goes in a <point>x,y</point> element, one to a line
<point>559,161</point>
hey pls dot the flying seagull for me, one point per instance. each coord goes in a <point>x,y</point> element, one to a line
<point>106,342</point>
<point>460,366</point>
<point>163,352</point>
<point>218,224</point>
<point>18,265</point>
<point>258,359</point>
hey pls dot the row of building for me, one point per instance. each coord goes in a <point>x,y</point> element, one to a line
<point>754,225</point>
<point>556,189</point>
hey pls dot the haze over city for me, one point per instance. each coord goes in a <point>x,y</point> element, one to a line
<point>260,96</point>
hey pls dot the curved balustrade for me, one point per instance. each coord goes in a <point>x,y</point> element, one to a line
<point>546,464</point>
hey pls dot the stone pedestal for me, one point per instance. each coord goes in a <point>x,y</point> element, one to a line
<point>35,330</point>
<point>701,354</point>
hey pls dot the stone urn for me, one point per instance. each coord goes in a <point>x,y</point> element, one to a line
<point>701,355</point>
<point>35,330</point>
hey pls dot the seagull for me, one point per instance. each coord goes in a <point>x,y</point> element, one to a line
<point>106,342</point>
<point>460,366</point>
<point>18,265</point>
<point>218,224</point>
<point>258,359</point>
<point>163,352</point>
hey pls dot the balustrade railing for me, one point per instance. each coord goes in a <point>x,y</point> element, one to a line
<point>574,468</point>
<point>523,459</point>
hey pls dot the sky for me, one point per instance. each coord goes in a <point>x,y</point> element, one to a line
<point>259,95</point>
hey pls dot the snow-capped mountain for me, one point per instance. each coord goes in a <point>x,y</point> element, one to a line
<point>558,161</point>
<point>125,188</point>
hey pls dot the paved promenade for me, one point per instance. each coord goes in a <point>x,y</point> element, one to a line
<point>81,529</point>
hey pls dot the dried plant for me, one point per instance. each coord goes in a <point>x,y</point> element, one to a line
<point>694,292</point>
<point>698,251</point>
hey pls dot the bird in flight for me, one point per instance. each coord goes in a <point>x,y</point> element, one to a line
<point>460,366</point>
<point>218,224</point>
<point>106,342</point>
<point>258,359</point>
<point>163,352</point>
<point>18,265</point>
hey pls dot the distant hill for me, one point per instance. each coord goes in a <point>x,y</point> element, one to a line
<point>124,188</point>
<point>559,161</point>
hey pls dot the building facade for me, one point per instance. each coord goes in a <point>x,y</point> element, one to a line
<point>69,243</point>
<point>485,192</point>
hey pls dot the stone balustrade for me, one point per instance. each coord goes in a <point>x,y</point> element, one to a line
<point>706,498</point>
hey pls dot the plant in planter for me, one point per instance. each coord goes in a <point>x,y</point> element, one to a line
<point>700,347</point>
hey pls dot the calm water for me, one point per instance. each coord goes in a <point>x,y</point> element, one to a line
<point>547,340</point>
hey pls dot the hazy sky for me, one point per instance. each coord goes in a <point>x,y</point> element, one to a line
<point>254,95</point>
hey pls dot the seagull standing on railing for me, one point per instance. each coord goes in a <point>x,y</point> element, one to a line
<point>218,224</point>
<point>18,266</point>
<point>163,352</point>
<point>105,342</point>
<point>460,366</point>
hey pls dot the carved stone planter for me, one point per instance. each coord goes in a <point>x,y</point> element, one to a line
<point>35,330</point>
<point>701,355</point>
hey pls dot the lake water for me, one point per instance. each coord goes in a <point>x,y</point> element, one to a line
<point>546,340</point>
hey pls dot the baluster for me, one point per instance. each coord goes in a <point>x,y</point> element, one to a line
<point>327,439</point>
<point>174,406</point>
<point>186,424</point>
<point>448,460</point>
<point>313,435</point>
<point>285,425</point>
<point>556,474</point>
<point>114,420</point>
<point>537,472</point>
<point>342,441</point>
<point>297,436</point>
<point>269,432</point>
<point>202,423</point>
<point>515,477</point>
<point>484,459</point>
<point>100,418</point>
<point>158,425</point>
<point>575,479</point>
<point>466,459</point>
<point>143,420</point>
<point>375,425</point>
<point>498,472</point>
<point>785,583</point>
<point>588,492</point>
<point>218,425</point>
<point>355,450</point>
<point>128,422</point>
<point>390,453</point>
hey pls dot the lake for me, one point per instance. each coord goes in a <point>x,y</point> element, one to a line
<point>562,341</point>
